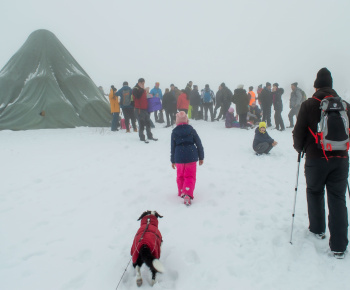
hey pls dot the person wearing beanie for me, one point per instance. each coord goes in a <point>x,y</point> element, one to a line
<point>139,93</point>
<point>262,143</point>
<point>296,97</point>
<point>241,99</point>
<point>115,108</point>
<point>328,169</point>
<point>231,121</point>
<point>265,99</point>
<point>278,106</point>
<point>127,106</point>
<point>254,114</point>
<point>186,150</point>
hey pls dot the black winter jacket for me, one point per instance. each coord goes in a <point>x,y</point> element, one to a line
<point>261,138</point>
<point>169,102</point>
<point>277,99</point>
<point>309,116</point>
<point>241,99</point>
<point>265,97</point>
<point>195,98</point>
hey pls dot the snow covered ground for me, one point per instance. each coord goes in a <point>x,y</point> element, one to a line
<point>70,199</point>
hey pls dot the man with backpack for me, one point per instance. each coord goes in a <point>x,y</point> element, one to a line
<point>295,101</point>
<point>327,160</point>
<point>127,105</point>
<point>208,99</point>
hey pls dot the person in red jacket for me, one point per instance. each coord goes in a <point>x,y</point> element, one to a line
<point>183,102</point>
<point>140,102</point>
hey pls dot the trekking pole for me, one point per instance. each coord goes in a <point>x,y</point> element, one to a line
<point>295,196</point>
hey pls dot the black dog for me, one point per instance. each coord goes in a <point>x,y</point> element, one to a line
<point>146,246</point>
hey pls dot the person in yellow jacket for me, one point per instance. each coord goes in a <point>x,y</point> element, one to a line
<point>115,108</point>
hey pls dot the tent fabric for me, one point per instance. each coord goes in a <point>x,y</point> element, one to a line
<point>43,86</point>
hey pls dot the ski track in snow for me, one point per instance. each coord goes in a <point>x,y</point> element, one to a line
<point>70,201</point>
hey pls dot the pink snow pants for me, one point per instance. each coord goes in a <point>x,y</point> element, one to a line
<point>186,178</point>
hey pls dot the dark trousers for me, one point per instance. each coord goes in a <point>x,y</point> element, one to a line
<point>293,112</point>
<point>278,120</point>
<point>263,148</point>
<point>243,120</point>
<point>267,114</point>
<point>334,175</point>
<point>129,115</point>
<point>115,121</point>
<point>143,117</point>
<point>208,106</point>
<point>170,118</point>
<point>194,115</point>
<point>224,108</point>
<point>217,106</point>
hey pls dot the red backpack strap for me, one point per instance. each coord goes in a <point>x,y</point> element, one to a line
<point>316,136</point>
<point>316,99</point>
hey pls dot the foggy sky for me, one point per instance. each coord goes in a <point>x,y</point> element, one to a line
<point>237,42</point>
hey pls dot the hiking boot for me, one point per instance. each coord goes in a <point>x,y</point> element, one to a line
<point>339,255</point>
<point>135,130</point>
<point>127,130</point>
<point>320,236</point>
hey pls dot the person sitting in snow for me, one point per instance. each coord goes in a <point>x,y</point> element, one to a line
<point>262,143</point>
<point>254,114</point>
<point>186,150</point>
<point>231,121</point>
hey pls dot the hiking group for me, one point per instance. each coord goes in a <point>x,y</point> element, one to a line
<point>321,132</point>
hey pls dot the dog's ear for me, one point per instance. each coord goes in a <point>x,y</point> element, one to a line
<point>158,215</point>
<point>144,214</point>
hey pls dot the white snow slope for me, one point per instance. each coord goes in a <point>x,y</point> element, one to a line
<point>70,200</point>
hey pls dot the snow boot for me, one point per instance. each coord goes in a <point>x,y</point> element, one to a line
<point>187,200</point>
<point>339,255</point>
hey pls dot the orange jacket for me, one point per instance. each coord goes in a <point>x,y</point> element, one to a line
<point>252,98</point>
<point>113,99</point>
<point>182,102</point>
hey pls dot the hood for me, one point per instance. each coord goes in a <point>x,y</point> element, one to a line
<point>184,129</point>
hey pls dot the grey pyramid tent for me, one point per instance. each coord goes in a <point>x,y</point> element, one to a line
<point>43,86</point>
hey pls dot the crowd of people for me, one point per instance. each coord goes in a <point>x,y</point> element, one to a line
<point>204,104</point>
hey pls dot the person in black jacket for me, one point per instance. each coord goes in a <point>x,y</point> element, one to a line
<point>241,99</point>
<point>226,101</point>
<point>169,106</point>
<point>265,98</point>
<point>278,106</point>
<point>195,102</point>
<point>323,168</point>
<point>262,143</point>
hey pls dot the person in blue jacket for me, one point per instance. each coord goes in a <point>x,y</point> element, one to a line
<point>127,106</point>
<point>157,92</point>
<point>262,143</point>
<point>186,150</point>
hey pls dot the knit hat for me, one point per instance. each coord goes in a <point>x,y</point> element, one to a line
<point>231,110</point>
<point>181,117</point>
<point>268,84</point>
<point>262,124</point>
<point>223,85</point>
<point>295,84</point>
<point>323,79</point>
<point>240,86</point>
<point>125,83</point>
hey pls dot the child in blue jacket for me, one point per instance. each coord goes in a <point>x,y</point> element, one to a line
<point>186,150</point>
<point>262,143</point>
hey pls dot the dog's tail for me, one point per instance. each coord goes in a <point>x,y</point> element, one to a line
<point>150,261</point>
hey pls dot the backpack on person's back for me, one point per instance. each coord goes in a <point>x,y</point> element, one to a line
<point>333,128</point>
<point>207,97</point>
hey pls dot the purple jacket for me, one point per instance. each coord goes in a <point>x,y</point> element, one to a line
<point>154,104</point>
